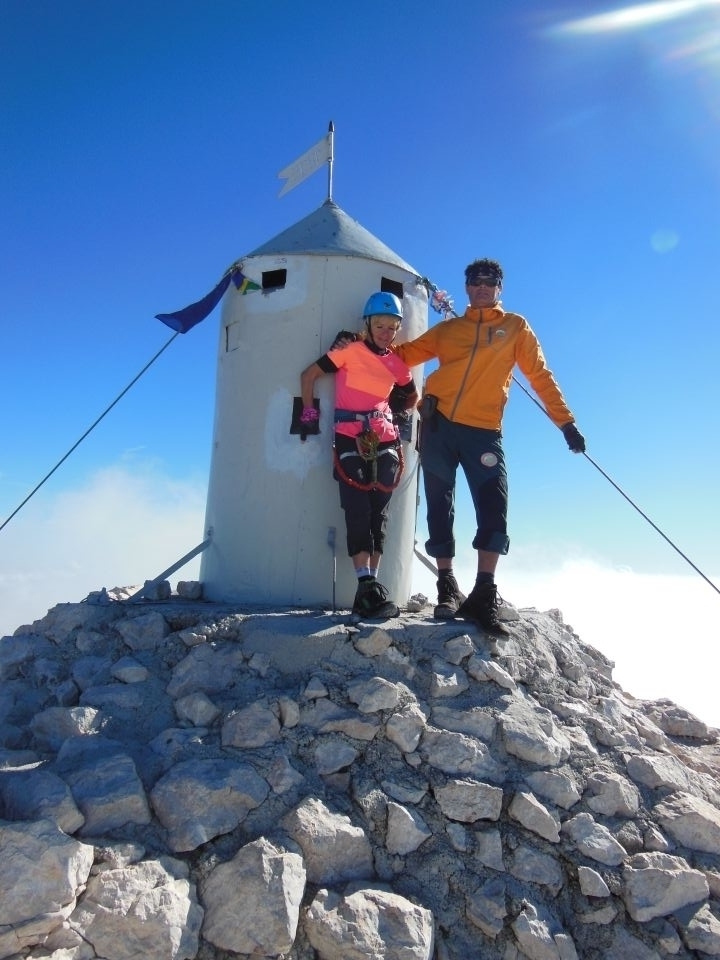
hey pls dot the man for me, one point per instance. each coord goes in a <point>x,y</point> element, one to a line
<point>371,383</point>
<point>462,410</point>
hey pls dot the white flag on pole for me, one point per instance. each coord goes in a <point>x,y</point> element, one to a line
<point>308,163</point>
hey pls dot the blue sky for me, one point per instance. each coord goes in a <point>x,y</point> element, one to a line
<point>577,143</point>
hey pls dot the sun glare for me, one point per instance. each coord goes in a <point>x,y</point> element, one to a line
<point>635,17</point>
<point>685,33</point>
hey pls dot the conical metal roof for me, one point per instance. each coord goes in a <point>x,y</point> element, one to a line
<point>329,231</point>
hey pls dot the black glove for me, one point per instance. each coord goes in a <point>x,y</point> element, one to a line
<point>575,440</point>
<point>343,338</point>
<point>305,420</point>
<point>402,398</point>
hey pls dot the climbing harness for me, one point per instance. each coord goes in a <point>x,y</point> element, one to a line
<point>364,416</point>
<point>368,447</point>
<point>374,483</point>
<point>368,444</point>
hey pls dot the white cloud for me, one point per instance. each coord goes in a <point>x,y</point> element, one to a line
<point>660,631</point>
<point>127,524</point>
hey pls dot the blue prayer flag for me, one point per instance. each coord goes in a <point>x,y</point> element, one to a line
<point>185,319</point>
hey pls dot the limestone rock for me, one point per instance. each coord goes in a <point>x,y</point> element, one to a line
<point>469,800</point>
<point>43,872</point>
<point>591,883</point>
<point>39,794</point>
<point>657,884</point>
<point>200,799</point>
<point>368,922</point>
<point>146,909</point>
<point>333,848</point>
<point>594,840</point>
<point>692,821</point>
<point>410,791</point>
<point>527,810</point>
<point>406,829</point>
<point>613,795</point>
<point>272,883</point>
<point>104,782</point>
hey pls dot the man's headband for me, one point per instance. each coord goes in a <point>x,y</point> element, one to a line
<point>475,277</point>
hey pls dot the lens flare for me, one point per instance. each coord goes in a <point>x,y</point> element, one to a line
<point>635,17</point>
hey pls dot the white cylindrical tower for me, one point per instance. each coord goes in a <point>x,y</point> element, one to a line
<point>273,506</point>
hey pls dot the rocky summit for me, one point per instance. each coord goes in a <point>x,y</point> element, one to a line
<point>181,779</point>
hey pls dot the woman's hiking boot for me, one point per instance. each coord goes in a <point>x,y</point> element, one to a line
<point>449,597</point>
<point>371,601</point>
<point>482,607</point>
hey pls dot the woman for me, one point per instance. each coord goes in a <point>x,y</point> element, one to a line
<point>367,451</point>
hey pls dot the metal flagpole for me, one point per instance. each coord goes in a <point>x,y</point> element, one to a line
<point>331,543</point>
<point>331,138</point>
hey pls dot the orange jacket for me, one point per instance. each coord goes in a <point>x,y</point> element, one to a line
<point>477,353</point>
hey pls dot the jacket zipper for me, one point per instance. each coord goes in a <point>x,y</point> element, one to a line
<point>467,369</point>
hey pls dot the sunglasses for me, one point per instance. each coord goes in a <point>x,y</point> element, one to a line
<point>482,282</point>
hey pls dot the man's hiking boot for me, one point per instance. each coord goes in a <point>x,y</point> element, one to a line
<point>449,598</point>
<point>482,607</point>
<point>371,601</point>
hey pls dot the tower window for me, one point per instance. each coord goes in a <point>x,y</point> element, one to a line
<point>391,286</point>
<point>274,279</point>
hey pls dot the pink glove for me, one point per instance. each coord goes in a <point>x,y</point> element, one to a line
<point>309,415</point>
